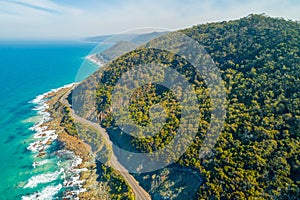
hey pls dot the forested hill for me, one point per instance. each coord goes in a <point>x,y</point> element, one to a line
<point>258,152</point>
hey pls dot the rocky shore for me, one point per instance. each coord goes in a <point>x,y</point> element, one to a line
<point>98,180</point>
<point>92,189</point>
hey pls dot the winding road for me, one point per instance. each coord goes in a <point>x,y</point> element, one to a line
<point>139,192</point>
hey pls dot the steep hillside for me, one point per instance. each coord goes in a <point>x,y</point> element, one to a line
<point>257,154</point>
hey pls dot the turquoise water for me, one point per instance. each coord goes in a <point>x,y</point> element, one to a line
<point>29,69</point>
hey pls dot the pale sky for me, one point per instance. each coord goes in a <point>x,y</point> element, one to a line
<point>71,19</point>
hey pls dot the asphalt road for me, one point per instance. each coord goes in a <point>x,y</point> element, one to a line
<point>139,192</point>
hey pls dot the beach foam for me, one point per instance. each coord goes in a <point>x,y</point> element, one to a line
<point>41,145</point>
<point>92,58</point>
<point>43,178</point>
<point>41,98</point>
<point>72,182</point>
<point>41,163</point>
<point>45,136</point>
<point>45,194</point>
<point>66,161</point>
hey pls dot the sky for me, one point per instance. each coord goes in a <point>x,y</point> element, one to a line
<point>74,19</point>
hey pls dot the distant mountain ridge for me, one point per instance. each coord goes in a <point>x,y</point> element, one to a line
<point>122,43</point>
<point>97,39</point>
<point>130,37</point>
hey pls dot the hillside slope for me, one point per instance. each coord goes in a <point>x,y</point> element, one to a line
<point>257,154</point>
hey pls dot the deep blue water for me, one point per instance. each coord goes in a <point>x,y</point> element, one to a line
<point>29,69</point>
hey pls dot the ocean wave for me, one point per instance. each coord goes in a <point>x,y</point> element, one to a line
<point>46,194</point>
<point>74,163</point>
<point>67,161</point>
<point>71,176</point>
<point>40,99</point>
<point>38,129</point>
<point>92,58</point>
<point>42,106</point>
<point>41,163</point>
<point>46,138</point>
<point>34,119</point>
<point>43,178</point>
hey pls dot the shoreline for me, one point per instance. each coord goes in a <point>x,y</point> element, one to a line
<point>83,182</point>
<point>92,58</point>
<point>48,132</point>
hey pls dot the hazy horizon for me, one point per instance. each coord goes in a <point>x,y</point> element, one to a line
<point>75,20</point>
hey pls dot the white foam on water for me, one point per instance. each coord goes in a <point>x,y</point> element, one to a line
<point>71,176</point>
<point>41,107</point>
<point>38,99</point>
<point>39,130</point>
<point>41,97</point>
<point>41,163</point>
<point>69,167</point>
<point>73,181</point>
<point>43,178</point>
<point>44,137</point>
<point>74,194</point>
<point>92,58</point>
<point>45,194</point>
<point>34,119</point>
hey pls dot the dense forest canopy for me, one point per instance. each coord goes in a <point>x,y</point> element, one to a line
<point>258,152</point>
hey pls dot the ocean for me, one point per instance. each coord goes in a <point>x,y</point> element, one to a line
<point>29,69</point>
